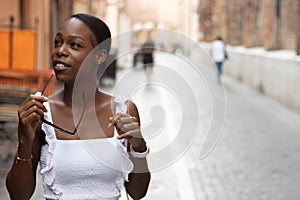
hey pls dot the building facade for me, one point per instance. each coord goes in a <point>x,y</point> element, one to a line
<point>272,24</point>
<point>42,18</point>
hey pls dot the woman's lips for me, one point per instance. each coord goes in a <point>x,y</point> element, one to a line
<point>58,66</point>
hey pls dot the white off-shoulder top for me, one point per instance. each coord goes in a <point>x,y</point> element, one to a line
<point>84,169</point>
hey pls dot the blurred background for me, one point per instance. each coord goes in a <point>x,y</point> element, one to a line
<point>251,23</point>
<point>262,39</point>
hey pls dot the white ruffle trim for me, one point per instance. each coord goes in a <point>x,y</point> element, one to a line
<point>126,165</point>
<point>48,171</point>
<point>121,104</point>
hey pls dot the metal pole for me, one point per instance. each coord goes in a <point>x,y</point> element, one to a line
<point>36,35</point>
<point>11,19</point>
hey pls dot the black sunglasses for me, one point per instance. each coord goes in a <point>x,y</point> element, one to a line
<point>57,127</point>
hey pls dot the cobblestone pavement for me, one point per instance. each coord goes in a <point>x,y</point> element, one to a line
<point>256,157</point>
<point>8,138</point>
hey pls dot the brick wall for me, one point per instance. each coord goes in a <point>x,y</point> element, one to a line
<point>288,19</point>
<point>252,24</point>
<point>272,24</point>
<point>269,25</point>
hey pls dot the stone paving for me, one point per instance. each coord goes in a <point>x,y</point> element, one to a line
<point>256,157</point>
<point>8,138</point>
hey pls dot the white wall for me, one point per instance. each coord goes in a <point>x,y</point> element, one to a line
<point>274,73</point>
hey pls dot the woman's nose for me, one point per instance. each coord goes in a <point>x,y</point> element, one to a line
<point>62,50</point>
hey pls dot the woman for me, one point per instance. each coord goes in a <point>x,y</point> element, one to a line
<point>71,167</point>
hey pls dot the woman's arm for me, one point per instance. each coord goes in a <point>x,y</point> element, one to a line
<point>20,181</point>
<point>139,179</point>
<point>128,127</point>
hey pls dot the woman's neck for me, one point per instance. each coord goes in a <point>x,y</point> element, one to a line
<point>67,95</point>
<point>71,97</point>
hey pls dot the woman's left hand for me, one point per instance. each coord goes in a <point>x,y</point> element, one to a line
<point>129,128</point>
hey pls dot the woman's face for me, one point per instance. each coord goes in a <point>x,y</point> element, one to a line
<point>72,43</point>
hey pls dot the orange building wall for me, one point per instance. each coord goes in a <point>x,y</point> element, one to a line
<point>36,17</point>
<point>4,53</point>
<point>23,53</point>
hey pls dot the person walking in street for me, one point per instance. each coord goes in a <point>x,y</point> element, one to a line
<point>69,150</point>
<point>219,55</point>
<point>148,60</point>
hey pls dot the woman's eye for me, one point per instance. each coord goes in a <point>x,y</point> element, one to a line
<point>75,45</point>
<point>57,42</point>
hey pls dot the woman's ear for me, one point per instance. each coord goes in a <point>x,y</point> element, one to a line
<point>101,56</point>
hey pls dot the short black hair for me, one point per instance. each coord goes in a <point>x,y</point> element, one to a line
<point>98,27</point>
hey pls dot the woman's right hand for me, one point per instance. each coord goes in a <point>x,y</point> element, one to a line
<point>30,112</point>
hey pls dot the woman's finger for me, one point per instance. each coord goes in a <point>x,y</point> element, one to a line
<point>120,119</point>
<point>127,119</point>
<point>130,134</point>
<point>36,97</point>
<point>27,119</point>
<point>33,109</point>
<point>129,126</point>
<point>35,100</point>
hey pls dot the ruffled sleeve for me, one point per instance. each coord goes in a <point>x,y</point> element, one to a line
<point>47,159</point>
<point>126,167</point>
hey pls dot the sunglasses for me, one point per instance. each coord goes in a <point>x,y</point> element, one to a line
<point>57,127</point>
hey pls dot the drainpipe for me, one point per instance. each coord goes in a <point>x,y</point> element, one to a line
<point>11,19</point>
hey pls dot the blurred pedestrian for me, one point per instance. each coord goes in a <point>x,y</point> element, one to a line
<point>137,58</point>
<point>69,169</point>
<point>219,55</point>
<point>147,53</point>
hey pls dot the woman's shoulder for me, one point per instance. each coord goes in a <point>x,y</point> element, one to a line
<point>104,98</point>
<point>120,100</point>
<point>108,98</point>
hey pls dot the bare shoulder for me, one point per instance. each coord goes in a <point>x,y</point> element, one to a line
<point>133,110</point>
<point>131,106</point>
<point>104,99</point>
<point>107,100</point>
